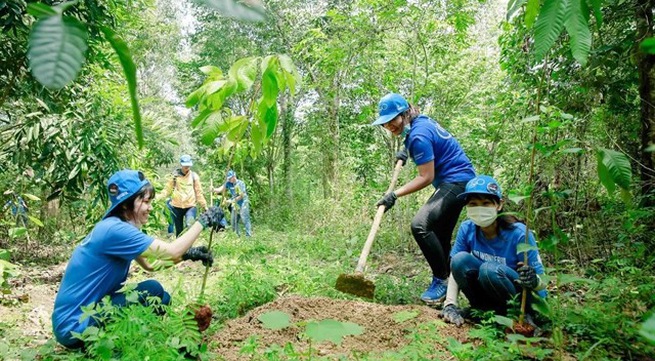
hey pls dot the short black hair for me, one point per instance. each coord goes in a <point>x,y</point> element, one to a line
<point>127,206</point>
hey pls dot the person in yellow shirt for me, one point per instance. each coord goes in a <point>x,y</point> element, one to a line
<point>186,194</point>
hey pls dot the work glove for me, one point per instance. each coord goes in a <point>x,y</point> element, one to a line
<point>402,155</point>
<point>452,314</point>
<point>199,254</point>
<point>212,217</point>
<point>388,201</point>
<point>528,278</point>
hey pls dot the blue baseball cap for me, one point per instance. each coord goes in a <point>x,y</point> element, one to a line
<point>122,185</point>
<point>482,184</point>
<point>390,106</point>
<point>230,174</point>
<point>185,161</point>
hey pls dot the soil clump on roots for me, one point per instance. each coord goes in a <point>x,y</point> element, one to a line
<point>382,331</point>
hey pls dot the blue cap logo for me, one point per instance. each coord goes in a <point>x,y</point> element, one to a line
<point>122,185</point>
<point>390,106</point>
<point>483,184</point>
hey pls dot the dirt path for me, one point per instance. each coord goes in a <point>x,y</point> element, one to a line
<point>26,311</point>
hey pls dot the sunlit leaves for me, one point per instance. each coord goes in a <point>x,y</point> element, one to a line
<point>56,50</point>
<point>244,72</point>
<point>275,73</point>
<point>513,6</point>
<point>251,10</point>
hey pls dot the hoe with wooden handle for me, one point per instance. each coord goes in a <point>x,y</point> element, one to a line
<point>356,284</point>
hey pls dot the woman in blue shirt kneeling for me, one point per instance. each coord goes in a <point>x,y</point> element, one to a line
<point>484,260</point>
<point>100,264</point>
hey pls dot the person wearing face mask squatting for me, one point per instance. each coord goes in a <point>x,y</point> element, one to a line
<point>441,162</point>
<point>484,261</point>
<point>99,266</point>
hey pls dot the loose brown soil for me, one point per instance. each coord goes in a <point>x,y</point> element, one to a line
<point>382,332</point>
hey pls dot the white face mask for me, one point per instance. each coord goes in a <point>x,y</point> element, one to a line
<point>482,216</point>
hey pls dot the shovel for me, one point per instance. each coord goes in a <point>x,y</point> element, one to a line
<point>356,284</point>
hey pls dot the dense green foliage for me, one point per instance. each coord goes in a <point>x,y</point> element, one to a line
<point>553,98</point>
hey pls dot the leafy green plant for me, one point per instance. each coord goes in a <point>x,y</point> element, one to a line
<point>648,329</point>
<point>133,331</point>
<point>7,270</point>
<point>553,17</point>
<point>273,73</point>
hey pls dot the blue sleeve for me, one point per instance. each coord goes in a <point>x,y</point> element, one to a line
<point>242,187</point>
<point>462,241</point>
<point>420,148</point>
<point>125,241</point>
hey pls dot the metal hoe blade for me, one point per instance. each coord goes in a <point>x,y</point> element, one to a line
<point>355,284</point>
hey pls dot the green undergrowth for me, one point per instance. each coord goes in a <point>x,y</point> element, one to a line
<point>597,320</point>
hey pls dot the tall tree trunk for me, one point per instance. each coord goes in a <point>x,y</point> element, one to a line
<point>646,66</point>
<point>287,131</point>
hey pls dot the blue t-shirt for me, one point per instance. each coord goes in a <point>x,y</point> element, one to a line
<point>98,267</point>
<point>501,249</point>
<point>428,141</point>
<point>238,189</point>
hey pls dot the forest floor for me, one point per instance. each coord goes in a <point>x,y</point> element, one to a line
<point>27,310</point>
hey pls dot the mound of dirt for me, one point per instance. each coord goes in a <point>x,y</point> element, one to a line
<point>383,332</point>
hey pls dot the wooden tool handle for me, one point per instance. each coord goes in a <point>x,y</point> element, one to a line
<point>376,221</point>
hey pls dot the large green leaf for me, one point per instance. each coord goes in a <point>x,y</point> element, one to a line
<point>578,28</point>
<point>216,100</point>
<point>129,69</point>
<point>211,128</point>
<point>403,316</point>
<point>199,121</point>
<point>598,14</point>
<point>56,50</point>
<point>244,72</point>
<point>291,75</point>
<point>648,329</point>
<point>613,169</point>
<point>513,6</point>
<point>39,10</point>
<point>531,12</point>
<point>275,320</point>
<point>525,247</point>
<point>332,330</point>
<point>270,88</point>
<point>549,25</point>
<point>251,10</point>
<point>648,46</point>
<point>238,126</point>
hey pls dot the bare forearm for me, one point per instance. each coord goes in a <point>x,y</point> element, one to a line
<point>414,185</point>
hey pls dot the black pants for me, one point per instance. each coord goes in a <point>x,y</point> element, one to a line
<point>182,216</point>
<point>433,226</point>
